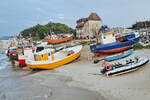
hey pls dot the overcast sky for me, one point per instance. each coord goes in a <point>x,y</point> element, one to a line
<point>16,15</point>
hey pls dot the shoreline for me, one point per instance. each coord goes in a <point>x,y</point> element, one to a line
<point>18,84</point>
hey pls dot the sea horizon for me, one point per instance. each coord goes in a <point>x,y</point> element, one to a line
<point>4,37</point>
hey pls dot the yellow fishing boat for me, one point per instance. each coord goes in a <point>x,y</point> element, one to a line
<point>48,60</point>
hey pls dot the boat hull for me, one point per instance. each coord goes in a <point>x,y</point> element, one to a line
<point>56,64</point>
<point>59,40</point>
<point>113,47</point>
<point>124,66</point>
<point>113,50</point>
<point>119,56</point>
<point>22,62</point>
<point>127,70</point>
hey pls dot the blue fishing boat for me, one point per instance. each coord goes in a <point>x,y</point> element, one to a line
<point>119,56</point>
<point>124,44</point>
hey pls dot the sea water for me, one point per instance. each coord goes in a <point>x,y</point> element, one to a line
<point>3,60</point>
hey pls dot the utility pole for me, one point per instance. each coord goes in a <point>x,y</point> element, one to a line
<point>146,28</point>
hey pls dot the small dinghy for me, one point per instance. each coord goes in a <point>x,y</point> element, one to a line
<point>115,57</point>
<point>119,56</point>
<point>124,66</point>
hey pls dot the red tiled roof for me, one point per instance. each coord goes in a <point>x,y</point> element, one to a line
<point>94,16</point>
<point>81,21</point>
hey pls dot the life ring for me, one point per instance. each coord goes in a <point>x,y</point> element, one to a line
<point>108,67</point>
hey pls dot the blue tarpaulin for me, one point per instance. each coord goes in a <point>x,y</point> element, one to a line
<point>130,37</point>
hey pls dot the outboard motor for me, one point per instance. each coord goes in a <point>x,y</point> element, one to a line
<point>103,71</point>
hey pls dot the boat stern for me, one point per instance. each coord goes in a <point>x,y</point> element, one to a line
<point>92,48</point>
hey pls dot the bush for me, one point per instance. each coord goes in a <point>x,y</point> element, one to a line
<point>138,46</point>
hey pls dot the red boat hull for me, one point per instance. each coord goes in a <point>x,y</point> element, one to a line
<point>96,53</point>
<point>22,62</point>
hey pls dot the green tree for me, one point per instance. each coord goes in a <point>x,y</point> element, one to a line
<point>38,31</point>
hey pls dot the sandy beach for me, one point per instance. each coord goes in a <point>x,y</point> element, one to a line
<point>42,86</point>
<point>128,86</point>
<point>75,81</point>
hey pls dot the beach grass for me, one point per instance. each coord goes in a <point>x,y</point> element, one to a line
<point>139,46</point>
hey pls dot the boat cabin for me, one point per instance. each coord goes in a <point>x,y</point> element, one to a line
<point>126,36</point>
<point>25,53</point>
<point>108,37</point>
<point>44,55</point>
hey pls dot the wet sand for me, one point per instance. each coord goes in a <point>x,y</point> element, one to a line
<point>44,85</point>
<point>16,84</point>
